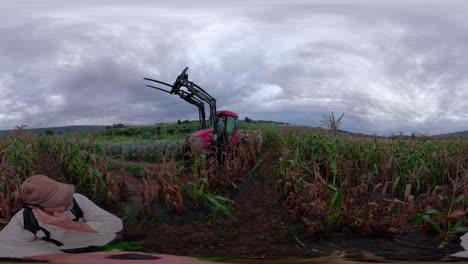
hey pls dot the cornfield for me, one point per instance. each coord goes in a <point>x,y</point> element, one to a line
<point>372,185</point>
<point>327,182</point>
<point>90,166</point>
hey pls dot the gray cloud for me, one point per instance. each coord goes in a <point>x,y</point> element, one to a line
<point>390,67</point>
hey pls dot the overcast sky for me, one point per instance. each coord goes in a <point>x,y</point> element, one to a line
<point>390,66</point>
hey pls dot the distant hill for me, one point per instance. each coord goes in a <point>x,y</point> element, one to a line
<point>56,130</point>
<point>456,134</point>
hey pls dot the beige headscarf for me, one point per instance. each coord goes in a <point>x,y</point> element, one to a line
<point>42,190</point>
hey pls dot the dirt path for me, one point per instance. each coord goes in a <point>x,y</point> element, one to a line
<point>256,231</point>
<point>260,231</point>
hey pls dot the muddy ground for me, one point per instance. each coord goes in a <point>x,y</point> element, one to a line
<point>256,230</point>
<point>260,230</point>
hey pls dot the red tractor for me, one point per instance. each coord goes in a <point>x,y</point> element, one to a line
<point>223,125</point>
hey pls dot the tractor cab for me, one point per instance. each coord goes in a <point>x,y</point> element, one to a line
<point>228,123</point>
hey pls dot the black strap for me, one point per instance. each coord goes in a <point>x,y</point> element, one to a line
<point>48,239</point>
<point>76,211</point>
<point>31,223</point>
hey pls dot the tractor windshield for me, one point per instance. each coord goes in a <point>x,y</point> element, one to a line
<point>227,125</point>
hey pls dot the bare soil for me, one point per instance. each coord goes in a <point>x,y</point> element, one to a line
<point>260,230</point>
<point>257,229</point>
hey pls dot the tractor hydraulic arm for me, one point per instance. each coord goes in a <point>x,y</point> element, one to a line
<point>192,93</point>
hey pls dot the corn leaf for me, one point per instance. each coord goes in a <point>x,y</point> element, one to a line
<point>428,219</point>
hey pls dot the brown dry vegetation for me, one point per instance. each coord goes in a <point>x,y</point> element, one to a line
<point>309,183</point>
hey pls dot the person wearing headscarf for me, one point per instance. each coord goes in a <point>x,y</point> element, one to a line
<point>59,230</point>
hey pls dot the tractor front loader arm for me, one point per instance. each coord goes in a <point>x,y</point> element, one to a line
<point>193,94</point>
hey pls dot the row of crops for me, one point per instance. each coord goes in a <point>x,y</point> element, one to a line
<point>372,185</point>
<point>24,155</point>
<point>327,183</point>
<point>147,151</point>
<point>98,169</point>
<point>160,132</point>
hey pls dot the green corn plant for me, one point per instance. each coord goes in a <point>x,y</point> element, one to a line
<point>22,154</point>
<point>219,204</point>
<point>449,229</point>
<point>334,212</point>
<point>199,189</point>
